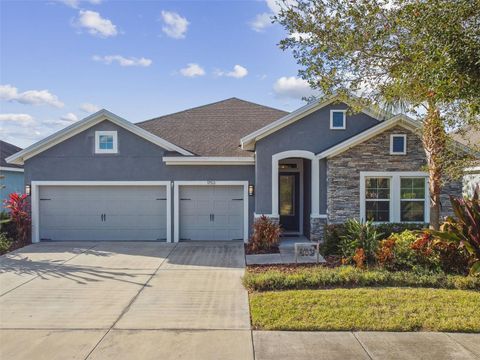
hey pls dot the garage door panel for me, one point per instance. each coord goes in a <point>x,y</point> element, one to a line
<point>75,212</point>
<point>225,202</point>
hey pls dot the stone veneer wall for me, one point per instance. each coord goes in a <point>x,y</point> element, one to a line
<point>317,228</point>
<point>343,172</point>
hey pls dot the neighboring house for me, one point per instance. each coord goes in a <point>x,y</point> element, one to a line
<point>207,172</point>
<point>470,137</point>
<point>12,175</point>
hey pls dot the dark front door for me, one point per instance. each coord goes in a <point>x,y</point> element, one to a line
<point>289,201</point>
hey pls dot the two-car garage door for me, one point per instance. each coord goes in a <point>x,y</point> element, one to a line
<point>103,212</point>
<point>139,212</point>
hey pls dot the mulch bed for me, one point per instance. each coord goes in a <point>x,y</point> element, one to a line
<point>331,262</point>
<point>272,250</point>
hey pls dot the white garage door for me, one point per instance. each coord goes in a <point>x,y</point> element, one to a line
<point>211,212</point>
<point>103,212</point>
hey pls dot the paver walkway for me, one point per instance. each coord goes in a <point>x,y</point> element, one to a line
<point>131,300</point>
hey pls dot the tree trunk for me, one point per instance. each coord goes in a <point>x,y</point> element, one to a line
<point>434,143</point>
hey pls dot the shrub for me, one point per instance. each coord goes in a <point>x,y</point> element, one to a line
<point>331,239</point>
<point>266,235</point>
<point>359,235</point>
<point>449,257</point>
<point>5,243</point>
<point>421,253</point>
<point>334,232</point>
<point>18,207</point>
<point>320,277</point>
<point>464,229</point>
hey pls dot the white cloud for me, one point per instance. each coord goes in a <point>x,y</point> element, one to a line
<point>176,26</point>
<point>192,70</point>
<point>16,119</point>
<point>292,87</point>
<point>69,117</point>
<point>276,5</point>
<point>30,97</point>
<point>89,108</point>
<point>76,3</point>
<point>238,72</point>
<point>261,22</point>
<point>95,24</point>
<point>64,120</point>
<point>264,20</point>
<point>300,36</point>
<point>123,61</point>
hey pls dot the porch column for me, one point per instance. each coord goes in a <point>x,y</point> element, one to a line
<point>315,187</point>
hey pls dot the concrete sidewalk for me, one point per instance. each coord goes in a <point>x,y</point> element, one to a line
<point>286,345</point>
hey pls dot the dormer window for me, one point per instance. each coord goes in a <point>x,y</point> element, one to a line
<point>398,144</point>
<point>338,119</point>
<point>106,142</point>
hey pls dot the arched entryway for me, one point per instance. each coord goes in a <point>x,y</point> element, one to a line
<point>295,190</point>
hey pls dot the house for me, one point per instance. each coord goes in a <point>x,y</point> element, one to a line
<point>470,137</point>
<point>11,175</point>
<point>207,172</point>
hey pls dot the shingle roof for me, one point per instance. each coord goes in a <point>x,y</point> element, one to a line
<point>6,150</point>
<point>214,129</point>
<point>470,136</point>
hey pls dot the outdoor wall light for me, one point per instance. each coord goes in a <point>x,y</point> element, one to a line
<point>28,190</point>
<point>251,190</point>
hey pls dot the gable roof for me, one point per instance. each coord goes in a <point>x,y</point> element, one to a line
<point>6,150</point>
<point>84,124</point>
<point>248,141</point>
<point>468,137</point>
<point>214,129</point>
<point>400,120</point>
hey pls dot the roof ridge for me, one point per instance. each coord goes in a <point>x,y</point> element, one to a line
<point>205,105</point>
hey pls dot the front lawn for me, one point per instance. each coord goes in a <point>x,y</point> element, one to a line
<point>381,309</point>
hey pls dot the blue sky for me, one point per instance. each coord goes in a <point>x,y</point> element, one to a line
<point>62,60</point>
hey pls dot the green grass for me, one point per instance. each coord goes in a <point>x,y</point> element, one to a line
<point>320,277</point>
<point>381,309</point>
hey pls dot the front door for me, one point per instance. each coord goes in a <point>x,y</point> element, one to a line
<point>289,201</point>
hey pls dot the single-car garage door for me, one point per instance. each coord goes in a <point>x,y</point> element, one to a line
<point>102,212</point>
<point>211,212</point>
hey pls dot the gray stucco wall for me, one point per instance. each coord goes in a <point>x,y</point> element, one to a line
<point>137,160</point>
<point>312,133</point>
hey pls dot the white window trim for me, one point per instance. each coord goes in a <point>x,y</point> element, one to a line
<point>176,203</point>
<point>35,198</point>
<point>394,193</point>
<point>97,142</point>
<point>404,152</point>
<point>344,120</point>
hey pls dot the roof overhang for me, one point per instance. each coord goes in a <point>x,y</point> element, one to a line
<point>398,120</point>
<point>248,142</point>
<point>204,160</point>
<point>84,124</point>
<point>8,168</point>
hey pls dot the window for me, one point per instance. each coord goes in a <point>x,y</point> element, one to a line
<point>394,196</point>
<point>287,195</point>
<point>398,144</point>
<point>106,142</point>
<point>377,199</point>
<point>412,199</point>
<point>338,119</point>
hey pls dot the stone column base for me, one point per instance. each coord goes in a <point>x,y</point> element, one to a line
<point>317,228</point>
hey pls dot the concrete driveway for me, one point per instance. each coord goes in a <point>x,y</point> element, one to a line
<point>124,300</point>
